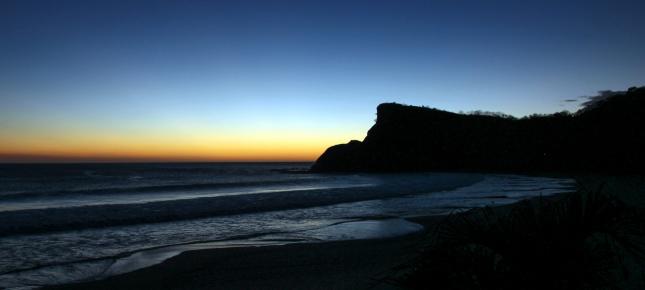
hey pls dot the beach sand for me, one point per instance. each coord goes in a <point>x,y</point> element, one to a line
<point>357,264</point>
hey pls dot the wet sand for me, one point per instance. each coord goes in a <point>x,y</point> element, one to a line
<point>358,264</point>
<point>354,264</point>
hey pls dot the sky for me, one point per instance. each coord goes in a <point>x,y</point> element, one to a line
<point>283,80</point>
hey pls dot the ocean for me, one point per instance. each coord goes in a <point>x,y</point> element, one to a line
<point>61,223</point>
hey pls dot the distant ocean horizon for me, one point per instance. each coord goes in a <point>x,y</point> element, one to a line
<point>68,222</point>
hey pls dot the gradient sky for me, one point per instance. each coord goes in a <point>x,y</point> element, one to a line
<point>283,80</point>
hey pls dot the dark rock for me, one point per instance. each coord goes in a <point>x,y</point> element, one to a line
<point>608,137</point>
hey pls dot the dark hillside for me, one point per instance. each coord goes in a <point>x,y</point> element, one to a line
<point>607,136</point>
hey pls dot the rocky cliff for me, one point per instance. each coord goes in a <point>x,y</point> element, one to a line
<point>607,136</point>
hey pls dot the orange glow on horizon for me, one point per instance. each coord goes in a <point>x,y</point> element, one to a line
<point>105,148</point>
<point>158,154</point>
<point>46,158</point>
<point>240,152</point>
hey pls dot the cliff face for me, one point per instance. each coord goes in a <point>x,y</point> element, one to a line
<point>608,137</point>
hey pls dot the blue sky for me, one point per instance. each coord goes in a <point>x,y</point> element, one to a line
<point>74,72</point>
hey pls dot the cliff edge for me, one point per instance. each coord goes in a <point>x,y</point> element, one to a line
<point>607,135</point>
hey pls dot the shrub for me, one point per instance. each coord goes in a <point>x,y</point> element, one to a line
<point>578,241</point>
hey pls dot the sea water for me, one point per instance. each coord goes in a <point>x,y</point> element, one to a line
<point>61,223</point>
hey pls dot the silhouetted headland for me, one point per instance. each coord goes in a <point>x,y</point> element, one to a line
<point>606,135</point>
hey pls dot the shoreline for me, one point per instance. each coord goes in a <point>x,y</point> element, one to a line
<point>347,264</point>
<point>350,264</point>
<point>374,219</point>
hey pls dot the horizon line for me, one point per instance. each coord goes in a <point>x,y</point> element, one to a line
<point>148,162</point>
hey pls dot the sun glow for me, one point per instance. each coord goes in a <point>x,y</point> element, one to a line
<point>261,146</point>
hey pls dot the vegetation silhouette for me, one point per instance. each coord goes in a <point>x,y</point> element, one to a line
<point>586,240</point>
<point>607,135</point>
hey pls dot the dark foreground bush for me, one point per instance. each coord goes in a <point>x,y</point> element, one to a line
<point>579,241</point>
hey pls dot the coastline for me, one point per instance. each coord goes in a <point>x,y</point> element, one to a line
<point>352,264</point>
<point>373,219</point>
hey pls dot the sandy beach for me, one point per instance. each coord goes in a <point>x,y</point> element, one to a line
<point>315,233</point>
<point>357,264</point>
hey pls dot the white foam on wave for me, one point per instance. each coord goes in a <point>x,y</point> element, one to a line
<point>99,250</point>
<point>351,230</point>
<point>94,270</point>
